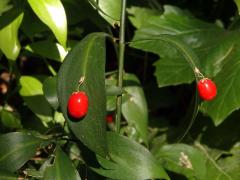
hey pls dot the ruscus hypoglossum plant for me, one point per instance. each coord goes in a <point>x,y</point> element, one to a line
<point>119,89</point>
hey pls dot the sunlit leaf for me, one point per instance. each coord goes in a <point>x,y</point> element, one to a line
<point>52,13</point>
<point>32,93</point>
<point>238,4</point>
<point>5,6</point>
<point>109,9</point>
<point>48,49</point>
<point>9,43</point>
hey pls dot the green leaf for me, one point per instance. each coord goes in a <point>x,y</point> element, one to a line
<point>7,17</point>
<point>9,43</point>
<point>32,25</point>
<point>227,99</point>
<point>48,49</point>
<point>50,91</point>
<point>135,109</point>
<point>130,161</point>
<point>8,175</point>
<point>5,6</point>
<point>237,2</point>
<point>214,169</point>
<point>10,119</point>
<point>16,149</point>
<point>139,15</point>
<point>32,94</point>
<point>167,77</point>
<point>86,60</point>
<point>219,57</point>
<point>52,13</point>
<point>110,10</point>
<point>231,163</point>
<point>193,32</point>
<point>163,44</point>
<point>34,173</point>
<point>62,168</point>
<point>182,159</point>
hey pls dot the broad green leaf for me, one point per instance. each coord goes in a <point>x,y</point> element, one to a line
<point>8,175</point>
<point>182,159</point>
<point>110,10</point>
<point>130,160</point>
<point>238,5</point>
<point>62,168</point>
<point>52,13</point>
<point>48,49</point>
<point>227,99</point>
<point>231,163</point>
<point>86,60</point>
<point>139,15</point>
<point>5,6</point>
<point>16,149</point>
<point>167,77</point>
<point>191,31</point>
<point>9,16</point>
<point>9,43</point>
<point>10,119</point>
<point>50,91</point>
<point>218,56</point>
<point>32,93</point>
<point>135,109</point>
<point>164,44</point>
<point>214,169</point>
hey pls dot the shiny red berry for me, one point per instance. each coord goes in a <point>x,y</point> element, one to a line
<point>109,118</point>
<point>78,105</point>
<point>207,89</point>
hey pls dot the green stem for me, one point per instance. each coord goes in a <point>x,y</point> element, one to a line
<point>50,68</point>
<point>121,63</point>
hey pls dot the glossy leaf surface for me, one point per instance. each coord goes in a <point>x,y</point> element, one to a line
<point>52,13</point>
<point>9,43</point>
<point>109,9</point>
<point>16,149</point>
<point>86,60</point>
<point>130,161</point>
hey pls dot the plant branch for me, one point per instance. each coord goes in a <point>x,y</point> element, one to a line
<point>121,62</point>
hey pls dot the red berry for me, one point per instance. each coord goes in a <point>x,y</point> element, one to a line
<point>109,118</point>
<point>78,104</point>
<point>207,89</point>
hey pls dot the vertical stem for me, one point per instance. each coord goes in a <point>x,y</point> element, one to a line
<point>50,68</point>
<point>121,62</point>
